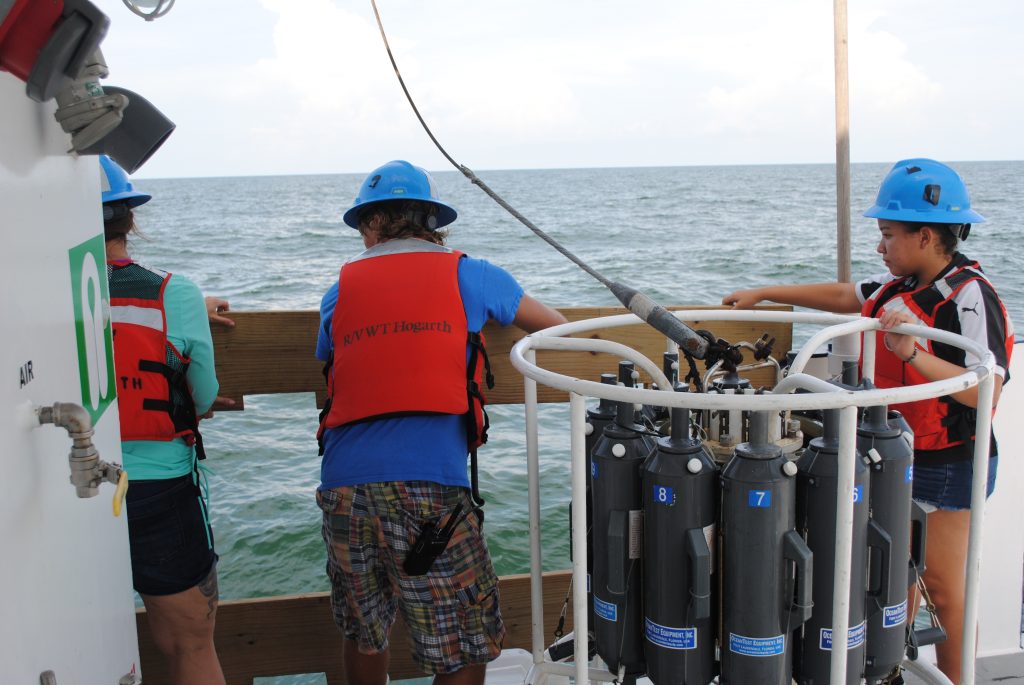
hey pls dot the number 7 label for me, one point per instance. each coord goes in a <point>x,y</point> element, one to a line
<point>759,498</point>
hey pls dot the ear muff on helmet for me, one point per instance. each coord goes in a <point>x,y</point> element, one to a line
<point>961,231</point>
<point>423,218</point>
<point>427,220</point>
<point>115,211</point>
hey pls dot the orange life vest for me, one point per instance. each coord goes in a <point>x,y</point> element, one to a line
<point>153,395</point>
<point>940,423</point>
<point>400,338</point>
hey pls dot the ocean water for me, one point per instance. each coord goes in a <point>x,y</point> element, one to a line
<point>684,235</point>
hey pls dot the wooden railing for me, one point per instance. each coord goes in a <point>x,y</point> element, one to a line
<point>273,352</point>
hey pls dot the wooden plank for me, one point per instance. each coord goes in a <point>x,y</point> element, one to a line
<point>296,634</point>
<point>267,353</point>
<point>273,352</point>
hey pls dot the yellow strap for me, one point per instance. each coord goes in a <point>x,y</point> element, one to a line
<point>119,492</point>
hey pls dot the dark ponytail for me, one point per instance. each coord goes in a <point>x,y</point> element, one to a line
<point>120,226</point>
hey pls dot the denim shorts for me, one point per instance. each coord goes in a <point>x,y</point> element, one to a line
<point>171,541</point>
<point>948,486</point>
<point>452,612</point>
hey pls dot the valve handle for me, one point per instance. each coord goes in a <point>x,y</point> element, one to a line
<point>119,492</point>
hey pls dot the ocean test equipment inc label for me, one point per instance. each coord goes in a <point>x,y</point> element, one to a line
<point>896,615</point>
<point>605,610</point>
<point>854,637</point>
<point>670,638</point>
<point>757,646</point>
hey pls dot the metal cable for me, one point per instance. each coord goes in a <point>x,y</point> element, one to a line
<point>637,302</point>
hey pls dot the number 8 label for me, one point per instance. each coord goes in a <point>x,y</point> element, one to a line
<point>664,495</point>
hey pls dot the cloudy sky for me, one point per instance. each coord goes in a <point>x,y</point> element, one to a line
<point>304,86</point>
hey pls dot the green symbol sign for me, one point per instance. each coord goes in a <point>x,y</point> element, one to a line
<point>93,332</point>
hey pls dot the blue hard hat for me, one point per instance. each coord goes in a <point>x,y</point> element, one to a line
<point>924,191</point>
<point>116,186</point>
<point>399,180</point>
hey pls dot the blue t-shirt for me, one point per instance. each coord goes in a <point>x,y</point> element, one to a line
<point>428,447</point>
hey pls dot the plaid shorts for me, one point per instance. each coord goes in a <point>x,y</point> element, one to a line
<point>452,612</point>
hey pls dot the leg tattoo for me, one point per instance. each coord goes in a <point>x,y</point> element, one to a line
<point>208,588</point>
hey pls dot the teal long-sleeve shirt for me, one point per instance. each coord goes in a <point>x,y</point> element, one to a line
<point>188,329</point>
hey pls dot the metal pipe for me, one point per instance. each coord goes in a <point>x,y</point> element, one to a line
<point>805,381</point>
<point>87,469</point>
<point>842,81</point>
<point>844,542</point>
<point>71,417</point>
<point>533,480</point>
<point>578,420</point>
<point>868,351</point>
<point>979,486</point>
<point>709,374</point>
<point>770,361</point>
<point>607,347</point>
<point>778,379</point>
<point>703,315</point>
<point>769,401</point>
<point>825,335</point>
<point>716,371</point>
<point>846,348</point>
<point>778,368</point>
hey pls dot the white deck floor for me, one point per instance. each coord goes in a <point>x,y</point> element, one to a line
<point>994,670</point>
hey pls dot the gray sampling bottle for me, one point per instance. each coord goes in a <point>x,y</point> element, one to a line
<point>680,487</point>
<point>766,567</point>
<point>896,535</point>
<point>597,418</point>
<point>618,535</point>
<point>817,488</point>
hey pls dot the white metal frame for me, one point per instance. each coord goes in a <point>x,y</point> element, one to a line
<point>822,395</point>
